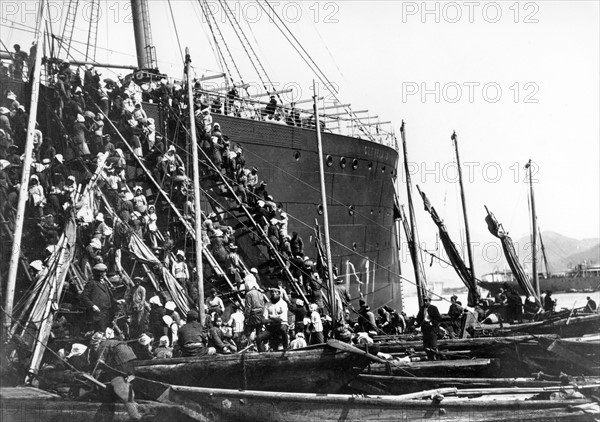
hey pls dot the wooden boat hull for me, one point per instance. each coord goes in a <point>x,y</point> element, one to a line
<point>385,384</point>
<point>575,326</point>
<point>318,369</point>
<point>30,404</point>
<point>249,406</point>
<point>449,368</point>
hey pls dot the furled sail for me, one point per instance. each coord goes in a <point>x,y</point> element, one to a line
<point>511,256</point>
<point>453,255</point>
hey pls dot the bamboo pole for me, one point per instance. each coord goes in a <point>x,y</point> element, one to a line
<point>325,213</point>
<point>416,258</point>
<point>23,191</point>
<point>196,176</point>
<point>536,281</point>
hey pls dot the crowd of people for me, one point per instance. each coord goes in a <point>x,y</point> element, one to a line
<point>83,109</point>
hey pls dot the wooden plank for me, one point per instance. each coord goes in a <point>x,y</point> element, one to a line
<point>11,393</point>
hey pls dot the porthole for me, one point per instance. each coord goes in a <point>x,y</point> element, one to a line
<point>296,155</point>
<point>370,166</point>
<point>329,161</point>
<point>372,211</point>
<point>383,169</point>
<point>354,164</point>
<point>320,209</point>
<point>343,162</point>
<point>351,210</point>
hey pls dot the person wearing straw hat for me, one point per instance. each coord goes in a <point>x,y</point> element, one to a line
<point>429,319</point>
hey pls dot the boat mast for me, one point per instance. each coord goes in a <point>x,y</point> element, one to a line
<point>454,138</point>
<point>196,175</point>
<point>331,281</point>
<point>419,280</point>
<point>544,253</point>
<point>27,162</point>
<point>536,281</point>
<point>145,51</point>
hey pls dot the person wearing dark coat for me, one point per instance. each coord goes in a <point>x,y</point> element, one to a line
<point>514,305</point>
<point>549,302</point>
<point>98,299</point>
<point>591,306</point>
<point>429,319</point>
<point>190,338</point>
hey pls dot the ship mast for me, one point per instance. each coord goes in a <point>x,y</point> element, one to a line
<point>27,162</point>
<point>331,281</point>
<point>196,174</point>
<point>536,281</point>
<point>413,244</point>
<point>145,51</point>
<point>454,138</point>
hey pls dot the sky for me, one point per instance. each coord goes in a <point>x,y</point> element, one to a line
<point>515,80</point>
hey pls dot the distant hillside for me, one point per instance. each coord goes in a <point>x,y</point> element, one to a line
<point>564,252</point>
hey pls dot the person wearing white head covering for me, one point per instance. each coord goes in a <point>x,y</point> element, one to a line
<point>299,342</point>
<point>172,328</point>
<point>163,351</point>
<point>37,198</point>
<point>171,310</point>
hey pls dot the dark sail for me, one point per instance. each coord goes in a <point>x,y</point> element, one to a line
<point>453,254</point>
<point>511,255</point>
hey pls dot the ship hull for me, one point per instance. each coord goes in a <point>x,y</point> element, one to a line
<point>554,284</point>
<point>359,180</point>
<point>360,187</point>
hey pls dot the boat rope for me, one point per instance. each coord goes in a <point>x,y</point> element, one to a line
<point>312,65</point>
<point>211,21</point>
<point>176,31</point>
<point>347,248</point>
<point>247,46</point>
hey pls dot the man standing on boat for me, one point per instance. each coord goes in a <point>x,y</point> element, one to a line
<point>98,298</point>
<point>275,317</point>
<point>429,319</point>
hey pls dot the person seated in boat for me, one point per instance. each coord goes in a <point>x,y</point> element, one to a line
<point>383,320</point>
<point>171,310</point>
<point>163,351</point>
<point>275,316</point>
<point>590,306</point>
<point>219,339</point>
<point>429,319</point>
<point>500,298</point>
<point>298,342</point>
<point>190,339</point>
<point>549,302</point>
<point>143,347</point>
<point>530,308</point>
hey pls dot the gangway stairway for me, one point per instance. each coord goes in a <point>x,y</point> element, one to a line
<point>208,258</point>
<point>250,235</point>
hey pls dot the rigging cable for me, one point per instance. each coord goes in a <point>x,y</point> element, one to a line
<point>176,31</point>
<point>319,73</point>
